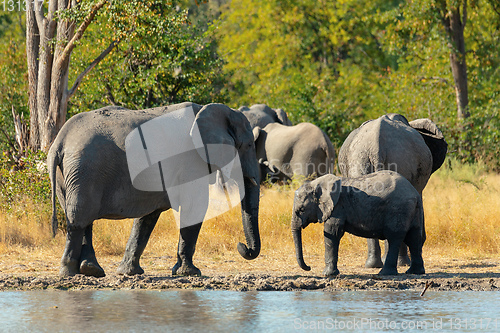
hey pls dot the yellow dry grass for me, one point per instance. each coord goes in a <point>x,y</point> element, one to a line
<point>462,214</point>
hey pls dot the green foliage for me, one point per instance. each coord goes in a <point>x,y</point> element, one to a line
<point>30,181</point>
<point>340,63</point>
<point>13,74</point>
<point>161,58</point>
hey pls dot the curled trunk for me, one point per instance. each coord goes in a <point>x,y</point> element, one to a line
<point>250,220</point>
<point>297,239</point>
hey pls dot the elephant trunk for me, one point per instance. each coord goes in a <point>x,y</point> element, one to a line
<point>297,239</point>
<point>250,220</point>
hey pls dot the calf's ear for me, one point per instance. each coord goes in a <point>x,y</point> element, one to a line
<point>328,194</point>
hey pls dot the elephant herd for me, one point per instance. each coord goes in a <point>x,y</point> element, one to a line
<point>385,165</point>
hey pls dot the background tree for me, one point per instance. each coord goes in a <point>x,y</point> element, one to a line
<point>340,63</point>
<point>168,59</point>
<point>50,40</point>
<point>160,59</point>
<point>13,76</point>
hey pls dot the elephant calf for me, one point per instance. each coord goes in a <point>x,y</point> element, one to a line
<point>381,205</point>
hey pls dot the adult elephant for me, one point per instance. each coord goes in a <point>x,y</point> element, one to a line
<point>414,149</point>
<point>90,169</point>
<point>303,149</point>
<point>261,115</point>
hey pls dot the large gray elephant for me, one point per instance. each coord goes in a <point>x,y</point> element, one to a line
<point>283,151</point>
<point>261,115</point>
<point>382,205</point>
<point>414,149</point>
<point>90,170</point>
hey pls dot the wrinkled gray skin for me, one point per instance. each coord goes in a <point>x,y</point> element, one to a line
<point>414,149</point>
<point>382,205</point>
<point>261,115</point>
<point>283,151</point>
<point>88,168</point>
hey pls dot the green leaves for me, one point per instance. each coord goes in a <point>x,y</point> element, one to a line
<point>337,64</point>
<point>161,58</point>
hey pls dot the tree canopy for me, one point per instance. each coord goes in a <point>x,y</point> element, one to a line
<point>332,63</point>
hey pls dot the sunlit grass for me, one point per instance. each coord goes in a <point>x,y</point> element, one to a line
<point>461,204</point>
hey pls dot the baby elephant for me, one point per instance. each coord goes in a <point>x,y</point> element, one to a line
<point>381,205</point>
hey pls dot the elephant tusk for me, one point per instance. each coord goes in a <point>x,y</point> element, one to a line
<point>252,180</point>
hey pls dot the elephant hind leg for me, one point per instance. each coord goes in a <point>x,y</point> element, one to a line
<point>414,241</point>
<point>139,237</point>
<point>88,261</point>
<point>187,245</point>
<point>70,261</point>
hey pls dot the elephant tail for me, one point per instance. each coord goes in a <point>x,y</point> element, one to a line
<point>53,161</point>
<point>420,209</point>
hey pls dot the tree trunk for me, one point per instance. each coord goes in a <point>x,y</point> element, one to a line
<point>32,52</point>
<point>49,44</point>
<point>454,21</point>
<point>458,61</point>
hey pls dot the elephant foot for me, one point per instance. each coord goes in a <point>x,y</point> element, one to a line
<point>330,272</point>
<point>129,269</point>
<point>404,260</point>
<point>70,268</point>
<point>186,270</point>
<point>415,270</point>
<point>89,268</point>
<point>373,262</point>
<point>388,271</point>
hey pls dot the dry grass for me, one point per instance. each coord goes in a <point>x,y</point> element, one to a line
<point>462,221</point>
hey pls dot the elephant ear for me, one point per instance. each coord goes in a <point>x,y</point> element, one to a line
<point>214,129</point>
<point>328,194</point>
<point>283,117</point>
<point>398,117</point>
<point>256,132</point>
<point>434,139</point>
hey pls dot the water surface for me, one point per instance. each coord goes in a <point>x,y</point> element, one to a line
<point>233,311</point>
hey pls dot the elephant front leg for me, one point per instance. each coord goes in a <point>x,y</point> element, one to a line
<point>139,237</point>
<point>332,233</point>
<point>391,260</point>
<point>88,261</point>
<point>70,261</point>
<point>415,242</point>
<point>185,251</point>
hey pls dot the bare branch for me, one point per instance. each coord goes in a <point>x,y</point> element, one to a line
<point>22,133</point>
<point>39,16</point>
<point>79,32</point>
<point>52,9</point>
<point>90,67</point>
<point>9,140</point>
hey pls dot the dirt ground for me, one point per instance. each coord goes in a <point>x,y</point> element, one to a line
<point>230,272</point>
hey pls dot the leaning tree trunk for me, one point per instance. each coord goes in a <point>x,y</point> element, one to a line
<point>458,62</point>
<point>49,43</point>
<point>454,20</point>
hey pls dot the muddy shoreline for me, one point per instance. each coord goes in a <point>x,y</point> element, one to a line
<point>247,282</point>
<point>442,275</point>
